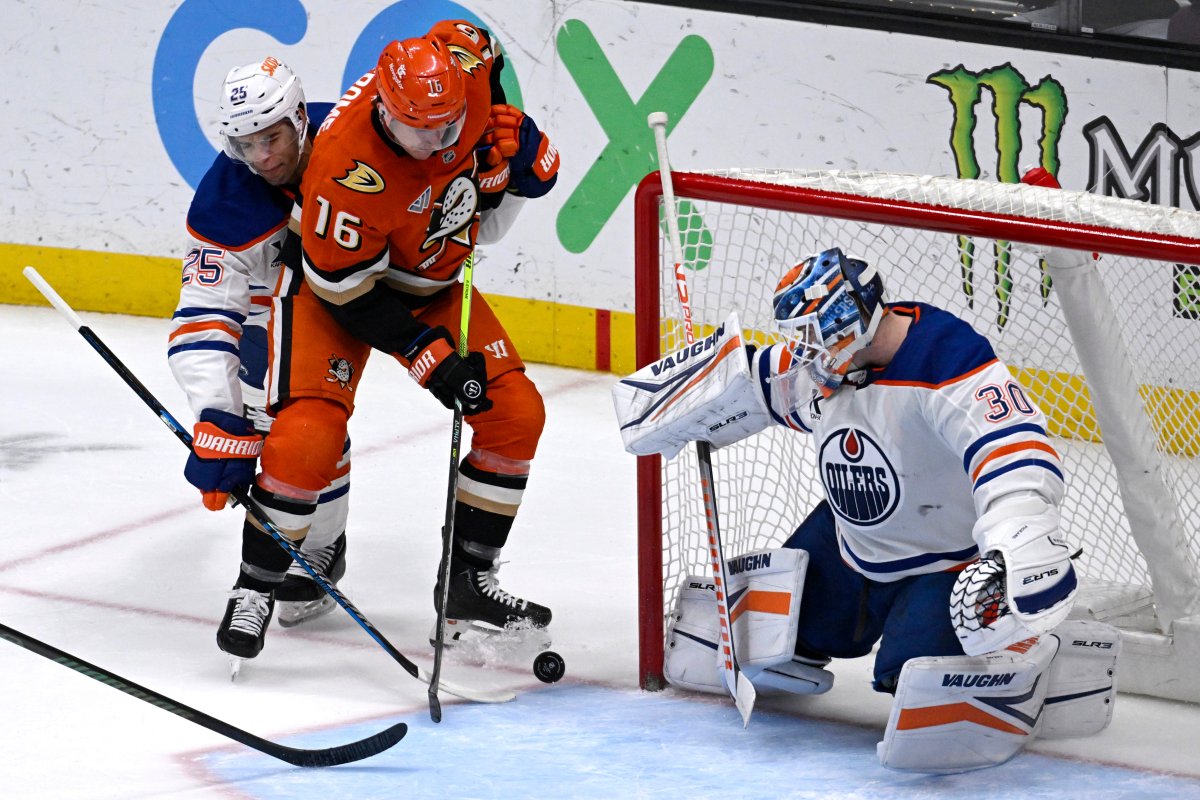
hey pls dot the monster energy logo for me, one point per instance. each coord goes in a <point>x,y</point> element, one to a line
<point>1009,91</point>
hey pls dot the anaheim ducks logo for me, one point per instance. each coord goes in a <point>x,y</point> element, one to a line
<point>469,61</point>
<point>860,482</point>
<point>341,372</point>
<point>363,179</point>
<point>453,213</point>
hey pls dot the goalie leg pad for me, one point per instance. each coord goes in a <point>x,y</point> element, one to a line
<point>692,635</point>
<point>704,392</point>
<point>1083,680</point>
<point>959,713</point>
<point>764,596</point>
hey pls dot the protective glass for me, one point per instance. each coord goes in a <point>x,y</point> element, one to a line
<point>421,140</point>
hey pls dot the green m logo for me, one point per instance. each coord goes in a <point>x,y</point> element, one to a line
<point>1009,91</point>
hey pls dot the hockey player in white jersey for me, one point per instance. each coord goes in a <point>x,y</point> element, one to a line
<point>939,537</point>
<point>241,267</point>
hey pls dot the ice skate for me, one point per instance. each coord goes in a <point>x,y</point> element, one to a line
<point>476,597</point>
<point>467,632</point>
<point>243,629</point>
<point>299,598</point>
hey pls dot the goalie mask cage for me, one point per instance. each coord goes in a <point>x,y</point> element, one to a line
<point>1110,352</point>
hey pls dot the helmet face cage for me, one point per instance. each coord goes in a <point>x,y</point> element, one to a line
<point>829,306</point>
<point>422,94</point>
<point>256,96</point>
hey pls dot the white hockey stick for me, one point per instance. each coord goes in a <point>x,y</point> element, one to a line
<point>738,684</point>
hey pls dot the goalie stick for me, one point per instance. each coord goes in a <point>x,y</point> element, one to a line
<point>324,757</point>
<point>738,684</point>
<point>439,639</point>
<point>243,497</point>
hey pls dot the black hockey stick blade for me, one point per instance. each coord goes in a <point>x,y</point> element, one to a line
<point>324,757</point>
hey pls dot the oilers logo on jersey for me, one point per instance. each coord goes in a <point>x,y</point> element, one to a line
<point>862,485</point>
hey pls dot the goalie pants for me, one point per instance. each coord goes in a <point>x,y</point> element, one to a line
<point>843,614</point>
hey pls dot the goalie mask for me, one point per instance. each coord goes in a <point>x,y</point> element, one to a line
<point>255,99</point>
<point>829,305</point>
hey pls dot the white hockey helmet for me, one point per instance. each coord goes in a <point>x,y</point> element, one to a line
<point>256,96</point>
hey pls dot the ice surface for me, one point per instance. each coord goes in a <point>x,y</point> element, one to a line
<point>106,552</point>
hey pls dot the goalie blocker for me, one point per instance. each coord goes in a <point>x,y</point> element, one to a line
<point>703,392</point>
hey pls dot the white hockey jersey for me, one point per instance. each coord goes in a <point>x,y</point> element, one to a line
<point>238,237</point>
<point>914,454</point>
<point>239,254</point>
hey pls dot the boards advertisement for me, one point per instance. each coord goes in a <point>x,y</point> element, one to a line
<point>109,125</point>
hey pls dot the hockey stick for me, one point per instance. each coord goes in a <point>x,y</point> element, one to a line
<point>439,642</point>
<point>324,757</point>
<point>243,497</point>
<point>738,684</point>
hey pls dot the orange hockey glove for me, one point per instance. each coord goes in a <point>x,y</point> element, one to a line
<point>532,159</point>
<point>224,450</point>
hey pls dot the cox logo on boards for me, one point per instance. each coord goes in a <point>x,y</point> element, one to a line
<point>196,24</point>
<point>628,154</point>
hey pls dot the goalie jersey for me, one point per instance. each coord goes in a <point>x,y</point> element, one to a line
<point>911,454</point>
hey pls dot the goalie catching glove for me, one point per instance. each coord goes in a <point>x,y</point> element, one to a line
<point>1023,586</point>
<point>704,392</point>
<point>224,450</point>
<point>435,365</point>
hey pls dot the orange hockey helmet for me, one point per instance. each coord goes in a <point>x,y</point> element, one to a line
<point>422,93</point>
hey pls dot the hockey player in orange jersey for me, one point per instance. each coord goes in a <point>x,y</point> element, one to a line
<point>419,160</point>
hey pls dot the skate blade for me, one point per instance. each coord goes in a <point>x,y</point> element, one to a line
<point>235,667</point>
<point>466,631</point>
<point>290,614</point>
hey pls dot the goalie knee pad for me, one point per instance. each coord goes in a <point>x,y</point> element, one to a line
<point>958,713</point>
<point>764,593</point>
<point>1083,680</point>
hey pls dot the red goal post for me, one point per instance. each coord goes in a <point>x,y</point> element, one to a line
<point>1113,359</point>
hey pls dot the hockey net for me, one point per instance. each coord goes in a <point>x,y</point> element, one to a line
<point>948,242</point>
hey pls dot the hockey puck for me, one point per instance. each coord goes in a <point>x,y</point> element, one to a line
<point>549,667</point>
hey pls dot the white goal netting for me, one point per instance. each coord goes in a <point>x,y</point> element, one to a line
<point>948,243</point>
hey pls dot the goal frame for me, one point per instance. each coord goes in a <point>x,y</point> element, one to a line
<point>1151,659</point>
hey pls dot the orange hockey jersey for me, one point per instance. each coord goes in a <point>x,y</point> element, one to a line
<point>372,213</point>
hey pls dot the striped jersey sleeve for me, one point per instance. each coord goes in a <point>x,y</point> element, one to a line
<point>237,229</point>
